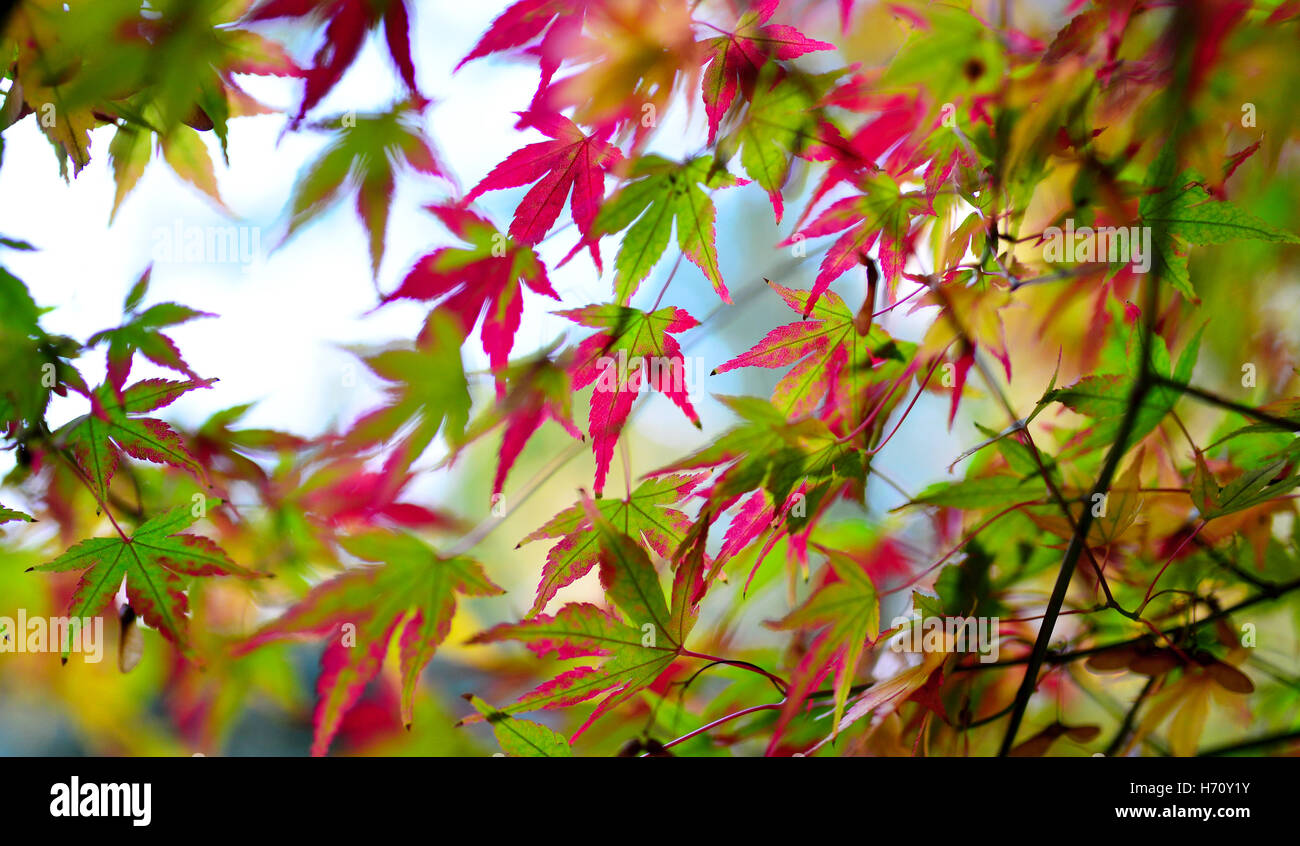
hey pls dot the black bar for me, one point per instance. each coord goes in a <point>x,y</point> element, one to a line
<point>269,796</point>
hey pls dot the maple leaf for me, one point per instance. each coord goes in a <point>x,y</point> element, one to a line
<point>345,494</point>
<point>1186,702</point>
<point>754,517</point>
<point>486,278</point>
<point>154,561</point>
<point>846,606</point>
<point>637,651</point>
<point>114,424</point>
<point>1189,215</point>
<point>538,390</point>
<point>26,349</point>
<point>8,515</point>
<point>950,53</point>
<point>61,70</point>
<point>969,318</point>
<point>893,691</point>
<point>780,122</point>
<point>365,156</point>
<point>223,449</point>
<point>1103,397</point>
<point>1092,29</point>
<point>140,332</point>
<point>981,492</point>
<point>199,36</point>
<point>413,592</point>
<point>571,162</point>
<point>1270,478</point>
<point>631,54</point>
<point>428,390</point>
<point>833,362</point>
<point>634,347</point>
<point>891,130</point>
<point>767,451</point>
<point>644,515</point>
<point>882,212</point>
<point>521,738</point>
<point>733,59</point>
<point>553,23</point>
<point>661,192</point>
<point>81,79</point>
<point>349,21</point>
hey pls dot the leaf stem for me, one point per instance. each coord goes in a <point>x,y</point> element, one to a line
<point>753,709</point>
<point>781,683</point>
<point>90,486</point>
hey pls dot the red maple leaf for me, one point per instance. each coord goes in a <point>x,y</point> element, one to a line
<point>881,212</point>
<point>734,58</point>
<point>488,274</point>
<point>349,21</point>
<point>355,496</point>
<point>899,117</point>
<point>557,22</point>
<point>571,160</point>
<point>633,348</point>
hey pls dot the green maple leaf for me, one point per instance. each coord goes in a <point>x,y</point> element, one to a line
<point>1271,478</point>
<point>8,515</point>
<point>636,651</point>
<point>155,562</point>
<point>849,609</point>
<point>953,55</point>
<point>1105,397</point>
<point>28,355</point>
<point>522,738</point>
<point>413,592</point>
<point>141,332</point>
<point>781,122</point>
<point>662,192</point>
<point>364,157</point>
<point>1191,216</point>
<point>114,425</point>
<point>117,80</point>
<point>428,391</point>
<point>981,492</point>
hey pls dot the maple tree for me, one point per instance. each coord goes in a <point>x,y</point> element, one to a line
<point>905,413</point>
